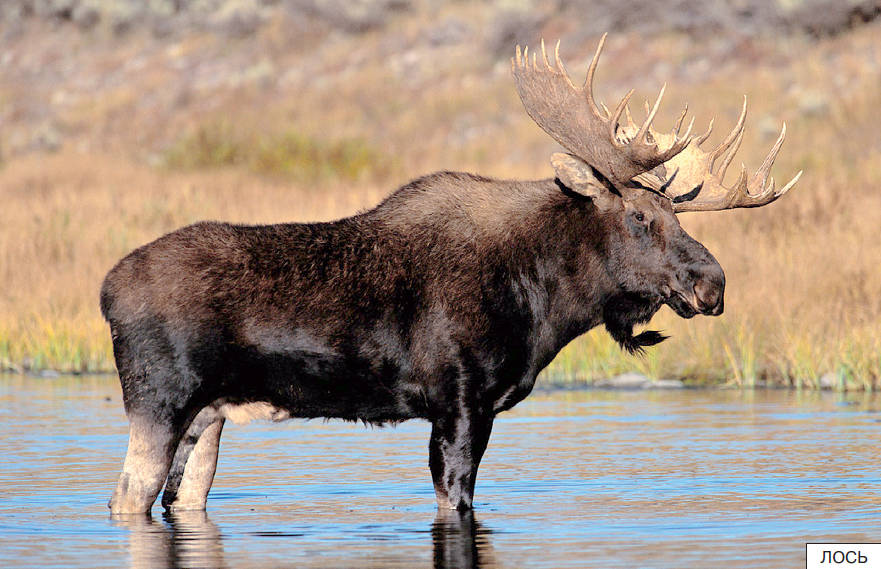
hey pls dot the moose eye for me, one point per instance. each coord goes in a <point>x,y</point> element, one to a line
<point>639,216</point>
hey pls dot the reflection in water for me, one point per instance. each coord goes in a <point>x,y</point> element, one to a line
<point>186,539</point>
<point>460,542</point>
<point>191,539</point>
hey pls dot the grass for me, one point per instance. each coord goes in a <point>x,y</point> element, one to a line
<point>802,299</point>
<point>292,155</point>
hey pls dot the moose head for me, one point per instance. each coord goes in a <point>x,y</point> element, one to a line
<point>638,179</point>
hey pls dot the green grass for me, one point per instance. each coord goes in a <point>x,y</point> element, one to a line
<point>287,153</point>
<point>56,345</point>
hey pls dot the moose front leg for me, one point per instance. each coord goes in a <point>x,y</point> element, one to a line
<point>456,447</point>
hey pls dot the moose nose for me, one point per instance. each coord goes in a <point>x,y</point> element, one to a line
<point>709,293</point>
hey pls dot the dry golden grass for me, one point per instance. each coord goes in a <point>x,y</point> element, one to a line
<point>803,274</point>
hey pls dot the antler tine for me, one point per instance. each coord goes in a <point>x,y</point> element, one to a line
<point>791,183</point>
<point>588,81</point>
<point>740,189</point>
<point>616,116</point>
<point>676,144</point>
<point>679,145</point>
<point>765,168</point>
<point>562,68</point>
<point>681,118</point>
<point>640,136</point>
<point>729,155</point>
<point>770,188</point>
<point>544,54</point>
<point>629,117</point>
<point>732,136</point>
<point>699,140</point>
<point>687,137</point>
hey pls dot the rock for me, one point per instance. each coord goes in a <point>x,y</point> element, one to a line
<point>624,381</point>
<point>828,381</point>
<point>634,381</point>
<point>667,384</point>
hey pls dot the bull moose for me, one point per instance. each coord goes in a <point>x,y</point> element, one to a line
<point>442,303</point>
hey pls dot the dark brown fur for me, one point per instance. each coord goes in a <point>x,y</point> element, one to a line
<point>442,303</point>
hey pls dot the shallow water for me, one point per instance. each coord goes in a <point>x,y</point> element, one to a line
<point>571,479</point>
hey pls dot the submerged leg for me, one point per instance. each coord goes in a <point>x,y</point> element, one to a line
<point>147,460</point>
<point>460,541</point>
<point>456,447</point>
<point>194,465</point>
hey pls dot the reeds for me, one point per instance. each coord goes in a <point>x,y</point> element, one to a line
<point>290,154</point>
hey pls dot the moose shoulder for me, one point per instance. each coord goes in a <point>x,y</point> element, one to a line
<point>442,303</point>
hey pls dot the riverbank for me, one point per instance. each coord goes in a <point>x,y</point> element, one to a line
<point>547,382</point>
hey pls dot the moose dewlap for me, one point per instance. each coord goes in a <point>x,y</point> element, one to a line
<point>442,303</point>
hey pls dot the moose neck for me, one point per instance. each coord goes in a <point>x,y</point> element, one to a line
<point>565,279</point>
<point>545,247</point>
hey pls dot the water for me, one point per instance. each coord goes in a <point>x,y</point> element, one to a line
<point>571,479</point>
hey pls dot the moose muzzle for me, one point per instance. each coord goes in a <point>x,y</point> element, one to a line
<point>709,291</point>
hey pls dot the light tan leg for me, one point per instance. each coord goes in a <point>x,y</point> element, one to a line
<point>146,465</point>
<point>195,463</point>
<point>199,471</point>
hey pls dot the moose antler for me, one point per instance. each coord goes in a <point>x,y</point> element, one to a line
<point>700,176</point>
<point>694,180</point>
<point>571,116</point>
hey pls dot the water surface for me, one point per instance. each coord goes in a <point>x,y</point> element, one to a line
<point>571,479</point>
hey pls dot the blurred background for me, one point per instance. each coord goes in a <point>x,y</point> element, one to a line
<point>123,120</point>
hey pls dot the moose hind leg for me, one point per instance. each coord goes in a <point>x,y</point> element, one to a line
<point>194,465</point>
<point>456,447</point>
<point>146,465</point>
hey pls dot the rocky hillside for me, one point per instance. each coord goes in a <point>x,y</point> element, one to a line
<point>140,76</point>
<point>244,17</point>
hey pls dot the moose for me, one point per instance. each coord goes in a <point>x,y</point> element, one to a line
<point>442,303</point>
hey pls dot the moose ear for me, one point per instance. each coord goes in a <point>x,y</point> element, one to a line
<point>578,176</point>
